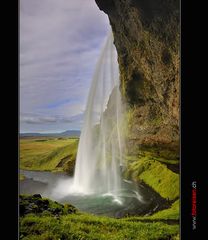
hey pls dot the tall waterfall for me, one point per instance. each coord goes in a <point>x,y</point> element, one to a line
<point>99,157</point>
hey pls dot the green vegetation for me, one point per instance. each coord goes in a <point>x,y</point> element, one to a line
<point>177,237</point>
<point>176,162</point>
<point>78,226</point>
<point>154,172</point>
<point>21,177</point>
<point>160,178</point>
<point>160,152</point>
<point>56,225</point>
<point>43,219</point>
<point>38,205</point>
<point>171,213</point>
<point>51,154</point>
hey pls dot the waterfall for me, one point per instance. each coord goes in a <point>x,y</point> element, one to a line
<point>99,157</point>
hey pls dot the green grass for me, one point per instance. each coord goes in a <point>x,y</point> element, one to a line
<point>21,177</point>
<point>160,153</point>
<point>51,154</point>
<point>49,220</point>
<point>171,213</point>
<point>86,226</point>
<point>35,204</point>
<point>161,179</point>
<point>176,162</point>
<point>155,174</point>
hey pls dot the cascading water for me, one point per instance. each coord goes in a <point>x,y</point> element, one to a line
<point>99,157</point>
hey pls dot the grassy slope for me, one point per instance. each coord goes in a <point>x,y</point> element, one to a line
<point>44,219</point>
<point>47,153</point>
<point>155,174</point>
<point>86,226</point>
<point>171,213</point>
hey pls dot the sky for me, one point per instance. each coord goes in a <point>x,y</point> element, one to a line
<point>60,42</point>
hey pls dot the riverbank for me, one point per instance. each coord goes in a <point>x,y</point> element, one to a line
<point>44,219</point>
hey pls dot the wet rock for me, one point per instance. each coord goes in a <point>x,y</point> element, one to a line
<point>146,36</point>
<point>37,196</point>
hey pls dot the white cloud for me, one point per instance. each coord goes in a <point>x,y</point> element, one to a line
<point>60,42</point>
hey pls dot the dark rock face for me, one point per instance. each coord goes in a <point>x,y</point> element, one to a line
<point>146,35</point>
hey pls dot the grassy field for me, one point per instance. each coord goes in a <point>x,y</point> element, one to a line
<point>67,224</point>
<point>89,227</point>
<point>51,154</point>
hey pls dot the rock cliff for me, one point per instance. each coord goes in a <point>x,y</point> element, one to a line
<point>146,36</point>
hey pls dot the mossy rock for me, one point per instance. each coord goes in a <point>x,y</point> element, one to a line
<point>38,205</point>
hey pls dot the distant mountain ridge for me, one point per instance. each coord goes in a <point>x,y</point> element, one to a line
<point>68,133</point>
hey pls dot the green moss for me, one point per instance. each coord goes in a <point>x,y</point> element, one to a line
<point>170,213</point>
<point>177,237</point>
<point>161,152</point>
<point>158,156</point>
<point>174,162</point>
<point>161,179</point>
<point>156,121</point>
<point>155,174</point>
<point>21,177</point>
<point>43,206</point>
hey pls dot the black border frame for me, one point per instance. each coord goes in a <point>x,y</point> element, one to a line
<point>193,117</point>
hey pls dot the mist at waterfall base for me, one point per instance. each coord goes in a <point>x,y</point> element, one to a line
<point>97,186</point>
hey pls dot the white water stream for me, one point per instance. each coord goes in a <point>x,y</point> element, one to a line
<point>100,151</point>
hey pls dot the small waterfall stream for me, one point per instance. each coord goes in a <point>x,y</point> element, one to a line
<point>99,157</point>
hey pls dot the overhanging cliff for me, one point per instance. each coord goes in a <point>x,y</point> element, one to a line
<point>146,35</point>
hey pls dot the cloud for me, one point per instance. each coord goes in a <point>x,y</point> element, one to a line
<point>39,119</point>
<point>60,42</point>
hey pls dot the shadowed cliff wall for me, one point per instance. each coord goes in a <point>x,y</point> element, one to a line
<point>146,35</point>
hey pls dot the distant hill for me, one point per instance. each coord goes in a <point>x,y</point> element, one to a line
<point>71,133</point>
<point>68,133</point>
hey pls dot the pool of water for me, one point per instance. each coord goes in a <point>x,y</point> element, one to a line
<point>131,199</point>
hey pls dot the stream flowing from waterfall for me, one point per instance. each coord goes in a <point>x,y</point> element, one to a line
<point>100,151</point>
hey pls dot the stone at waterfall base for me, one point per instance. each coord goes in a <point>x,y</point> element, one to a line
<point>38,205</point>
